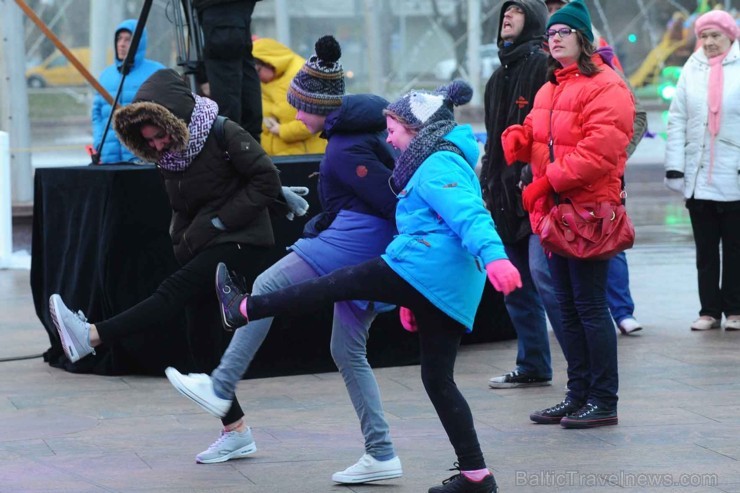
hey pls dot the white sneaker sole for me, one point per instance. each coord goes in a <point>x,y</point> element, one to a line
<point>500,385</point>
<point>236,454</point>
<point>174,377</point>
<point>367,478</point>
<point>68,342</point>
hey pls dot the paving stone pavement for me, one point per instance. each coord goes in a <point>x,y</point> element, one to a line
<point>679,409</point>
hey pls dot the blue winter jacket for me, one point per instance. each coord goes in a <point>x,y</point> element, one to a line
<point>110,79</point>
<point>353,188</point>
<point>446,235</point>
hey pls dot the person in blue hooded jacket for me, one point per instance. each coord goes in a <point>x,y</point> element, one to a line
<point>112,151</point>
<point>435,268</point>
<point>356,224</point>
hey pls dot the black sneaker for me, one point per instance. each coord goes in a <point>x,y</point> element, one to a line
<point>516,379</point>
<point>230,295</point>
<point>553,415</point>
<point>590,416</point>
<point>460,484</point>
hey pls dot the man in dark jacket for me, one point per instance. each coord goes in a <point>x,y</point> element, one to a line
<point>227,55</point>
<point>508,99</point>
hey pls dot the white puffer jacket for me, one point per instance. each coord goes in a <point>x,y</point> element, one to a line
<point>688,145</point>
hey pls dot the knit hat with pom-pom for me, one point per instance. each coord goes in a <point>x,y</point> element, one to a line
<point>319,86</point>
<point>417,109</point>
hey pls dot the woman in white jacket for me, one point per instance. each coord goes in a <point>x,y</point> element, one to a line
<point>703,163</point>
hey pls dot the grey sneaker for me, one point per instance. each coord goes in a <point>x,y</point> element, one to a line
<point>516,379</point>
<point>368,469</point>
<point>74,331</point>
<point>198,387</point>
<point>230,445</point>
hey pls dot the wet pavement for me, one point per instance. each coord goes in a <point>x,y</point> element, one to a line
<point>679,407</point>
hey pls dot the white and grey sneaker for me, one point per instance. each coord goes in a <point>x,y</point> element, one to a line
<point>198,387</point>
<point>368,469</point>
<point>73,329</point>
<point>230,445</point>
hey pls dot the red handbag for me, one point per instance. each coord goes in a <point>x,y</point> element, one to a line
<point>592,231</point>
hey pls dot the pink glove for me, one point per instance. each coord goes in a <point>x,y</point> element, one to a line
<point>408,321</point>
<point>503,275</point>
<point>534,191</point>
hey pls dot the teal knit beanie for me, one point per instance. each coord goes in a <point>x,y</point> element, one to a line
<point>574,14</point>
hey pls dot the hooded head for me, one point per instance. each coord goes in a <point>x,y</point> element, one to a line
<point>319,86</point>
<point>575,15</point>
<point>535,17</point>
<point>163,100</point>
<point>129,26</point>
<point>417,109</point>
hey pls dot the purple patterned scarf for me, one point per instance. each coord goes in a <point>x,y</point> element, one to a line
<point>201,121</point>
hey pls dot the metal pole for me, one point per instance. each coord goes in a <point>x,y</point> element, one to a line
<point>6,217</point>
<point>101,37</point>
<point>14,107</point>
<point>474,34</point>
<point>372,30</point>
<point>282,22</point>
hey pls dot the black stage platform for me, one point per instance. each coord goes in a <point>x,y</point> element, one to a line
<point>100,240</point>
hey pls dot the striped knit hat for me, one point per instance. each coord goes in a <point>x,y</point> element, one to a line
<point>319,86</point>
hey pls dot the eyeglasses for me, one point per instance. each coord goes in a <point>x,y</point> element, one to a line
<point>564,32</point>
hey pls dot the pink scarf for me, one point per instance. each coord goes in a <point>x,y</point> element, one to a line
<point>714,100</point>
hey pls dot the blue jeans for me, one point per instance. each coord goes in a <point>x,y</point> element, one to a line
<point>618,294</point>
<point>527,307</point>
<point>350,330</point>
<point>589,341</point>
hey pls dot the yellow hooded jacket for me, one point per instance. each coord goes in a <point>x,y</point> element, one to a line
<point>294,137</point>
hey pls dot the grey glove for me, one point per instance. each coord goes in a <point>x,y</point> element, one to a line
<point>218,224</point>
<point>674,181</point>
<point>296,203</point>
<point>675,184</point>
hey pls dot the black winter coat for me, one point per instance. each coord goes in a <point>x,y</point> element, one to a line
<point>237,189</point>
<point>508,98</point>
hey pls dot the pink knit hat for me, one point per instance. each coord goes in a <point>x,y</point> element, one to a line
<point>718,19</point>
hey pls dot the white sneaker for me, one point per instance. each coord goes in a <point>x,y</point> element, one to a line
<point>732,324</point>
<point>199,388</point>
<point>73,329</point>
<point>230,445</point>
<point>629,325</point>
<point>705,323</point>
<point>369,469</point>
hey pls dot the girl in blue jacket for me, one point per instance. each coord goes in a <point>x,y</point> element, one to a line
<point>435,267</point>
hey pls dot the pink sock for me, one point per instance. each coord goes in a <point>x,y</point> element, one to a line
<point>477,475</point>
<point>243,308</point>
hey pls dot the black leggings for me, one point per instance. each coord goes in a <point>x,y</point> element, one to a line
<point>439,338</point>
<point>191,289</point>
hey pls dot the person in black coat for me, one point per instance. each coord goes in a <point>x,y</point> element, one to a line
<point>508,99</point>
<point>219,199</point>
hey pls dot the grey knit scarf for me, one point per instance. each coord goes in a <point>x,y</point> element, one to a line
<point>429,140</point>
<point>201,121</point>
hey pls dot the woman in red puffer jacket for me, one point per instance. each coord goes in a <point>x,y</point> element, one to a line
<point>575,138</point>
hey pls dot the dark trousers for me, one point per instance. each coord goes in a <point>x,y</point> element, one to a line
<point>191,289</point>
<point>227,53</point>
<point>439,338</point>
<point>714,223</point>
<point>589,341</point>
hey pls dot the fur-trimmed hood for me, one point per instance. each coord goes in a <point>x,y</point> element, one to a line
<point>164,100</point>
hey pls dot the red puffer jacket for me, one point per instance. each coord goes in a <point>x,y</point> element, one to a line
<point>591,120</point>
